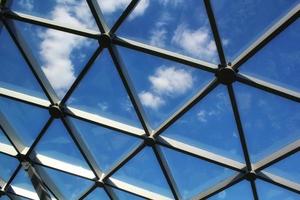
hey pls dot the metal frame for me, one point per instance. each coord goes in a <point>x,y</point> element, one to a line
<point>150,137</point>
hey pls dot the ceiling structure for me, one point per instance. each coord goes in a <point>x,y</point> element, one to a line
<point>54,143</point>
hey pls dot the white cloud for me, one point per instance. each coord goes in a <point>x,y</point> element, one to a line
<point>158,35</point>
<point>166,82</point>
<point>222,195</point>
<point>103,106</point>
<point>151,100</point>
<point>26,4</point>
<point>197,42</point>
<point>139,9</point>
<point>201,115</point>
<point>171,2</point>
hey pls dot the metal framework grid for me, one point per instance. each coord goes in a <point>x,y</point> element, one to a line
<point>108,39</point>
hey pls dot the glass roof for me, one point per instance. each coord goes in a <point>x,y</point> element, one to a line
<point>149,99</point>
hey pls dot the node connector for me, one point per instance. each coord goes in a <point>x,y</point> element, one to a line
<point>150,141</point>
<point>251,176</point>
<point>104,40</point>
<point>55,111</point>
<point>99,183</point>
<point>226,75</point>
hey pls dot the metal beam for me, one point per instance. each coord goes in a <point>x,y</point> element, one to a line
<point>98,16</point>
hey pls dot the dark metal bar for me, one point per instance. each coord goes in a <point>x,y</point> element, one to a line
<point>97,13</point>
<point>10,134</point>
<point>89,191</point>
<point>254,190</point>
<point>12,177</point>
<point>215,31</point>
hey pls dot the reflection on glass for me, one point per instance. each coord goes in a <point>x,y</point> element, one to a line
<point>102,92</point>
<point>71,187</point>
<point>193,175</point>
<point>15,73</point>
<point>56,143</point>
<point>287,168</point>
<point>3,138</point>
<point>180,26</point>
<point>7,166</point>
<point>26,120</point>
<point>242,22</point>
<point>107,146</point>
<point>58,53</point>
<point>151,178</point>
<point>279,61</point>
<point>210,125</point>
<point>97,194</point>
<point>267,191</point>
<point>22,181</point>
<point>125,195</point>
<point>235,192</point>
<point>162,86</point>
<point>270,122</point>
<point>71,13</point>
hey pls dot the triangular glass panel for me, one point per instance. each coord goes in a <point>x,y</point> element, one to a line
<point>125,195</point>
<point>287,168</point>
<point>112,10</point>
<point>201,174</point>
<point>242,22</point>
<point>107,146</point>
<point>267,191</point>
<point>60,61</point>
<point>151,178</point>
<point>270,122</point>
<point>234,192</point>
<point>71,13</point>
<point>22,185</point>
<point>278,62</point>
<point>26,120</point>
<point>69,186</point>
<point>210,125</point>
<point>7,167</point>
<point>102,92</point>
<point>98,193</point>
<point>57,144</point>
<point>179,26</point>
<point>163,86</point>
<point>5,145</point>
<point>15,73</point>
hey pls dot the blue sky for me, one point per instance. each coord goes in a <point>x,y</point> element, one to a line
<point>161,85</point>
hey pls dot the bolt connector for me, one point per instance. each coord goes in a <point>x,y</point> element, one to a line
<point>150,141</point>
<point>226,75</point>
<point>251,175</point>
<point>105,40</point>
<point>55,111</point>
<point>99,183</point>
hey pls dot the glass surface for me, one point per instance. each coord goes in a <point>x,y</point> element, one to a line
<point>242,22</point>
<point>210,125</point>
<point>15,73</point>
<point>151,178</point>
<point>270,122</point>
<point>107,146</point>
<point>7,166</point>
<point>102,92</point>
<point>267,191</point>
<point>236,192</point>
<point>56,143</point>
<point>287,168</point>
<point>22,181</point>
<point>60,55</point>
<point>162,86</point>
<point>279,61</point>
<point>71,187</point>
<point>121,195</point>
<point>4,198</point>
<point>71,13</point>
<point>192,175</point>
<point>26,120</point>
<point>97,194</point>
<point>3,138</point>
<point>180,26</point>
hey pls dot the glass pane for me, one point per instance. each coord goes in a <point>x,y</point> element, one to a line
<point>278,62</point>
<point>125,195</point>
<point>102,92</point>
<point>26,120</point>
<point>71,13</point>
<point>107,146</point>
<point>3,138</point>
<point>210,125</point>
<point>151,178</point>
<point>242,22</point>
<point>287,168</point>
<point>97,194</point>
<point>71,187</point>
<point>163,86</point>
<point>270,122</point>
<point>56,143</point>
<point>180,26</point>
<point>4,198</point>
<point>7,166</point>
<point>58,53</point>
<point>234,192</point>
<point>267,191</point>
<point>193,175</point>
<point>15,73</point>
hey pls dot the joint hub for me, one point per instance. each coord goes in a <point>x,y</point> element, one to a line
<point>55,111</point>
<point>150,141</point>
<point>251,176</point>
<point>226,75</point>
<point>104,40</point>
